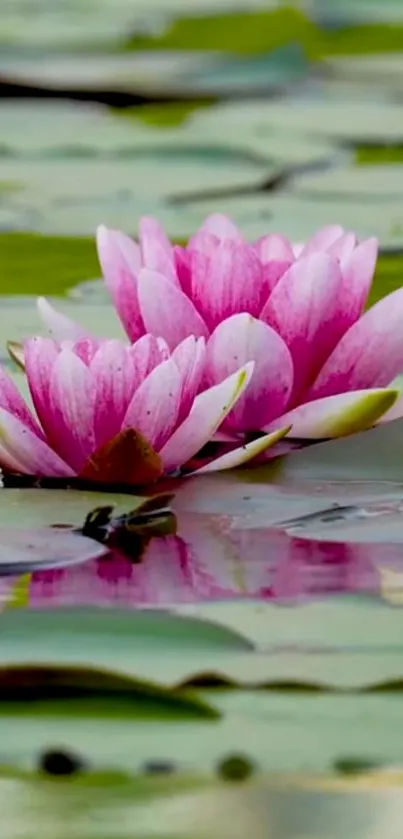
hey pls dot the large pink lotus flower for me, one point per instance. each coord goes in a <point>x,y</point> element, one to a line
<point>113,412</point>
<point>321,365</point>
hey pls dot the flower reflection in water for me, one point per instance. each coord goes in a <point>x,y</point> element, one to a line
<point>215,558</point>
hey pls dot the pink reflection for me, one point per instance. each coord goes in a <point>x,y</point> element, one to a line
<point>214,558</point>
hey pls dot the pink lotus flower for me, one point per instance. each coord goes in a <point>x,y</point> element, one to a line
<point>321,365</point>
<point>112,412</point>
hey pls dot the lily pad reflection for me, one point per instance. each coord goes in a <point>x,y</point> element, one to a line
<point>215,558</point>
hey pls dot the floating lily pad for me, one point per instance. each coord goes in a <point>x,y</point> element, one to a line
<point>375,184</point>
<point>37,264</point>
<point>299,216</point>
<point>72,197</point>
<point>26,550</point>
<point>114,750</point>
<point>235,32</point>
<point>317,644</point>
<point>174,73</point>
<point>254,130</point>
<point>382,525</point>
<point>346,119</point>
<point>84,23</point>
<point>358,11</point>
<point>38,507</point>
<point>270,71</point>
<point>379,71</point>
<point>370,456</point>
<point>62,129</point>
<point>41,528</point>
<point>233,557</point>
<point>360,38</point>
<point>124,72</point>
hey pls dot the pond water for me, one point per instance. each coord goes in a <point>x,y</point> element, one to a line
<point>254,613</point>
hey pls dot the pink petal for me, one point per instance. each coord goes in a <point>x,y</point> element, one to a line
<point>40,356</point>
<point>12,401</point>
<point>154,408</point>
<point>230,282</point>
<point>337,416</point>
<point>369,355</point>
<point>219,226</point>
<point>183,267</point>
<point>323,239</point>
<point>148,352</point>
<point>237,340</point>
<point>115,376</point>
<point>243,454</point>
<point>274,248</point>
<point>208,412</point>
<point>297,248</point>
<point>22,449</point>
<point>10,462</point>
<point>272,273</point>
<point>276,255</point>
<point>157,251</point>
<point>306,309</point>
<point>163,348</point>
<point>343,247</point>
<point>226,437</point>
<point>60,327</point>
<point>71,409</point>
<point>166,310</point>
<point>86,349</point>
<point>190,359</point>
<point>358,272</point>
<point>114,245</point>
<point>120,260</point>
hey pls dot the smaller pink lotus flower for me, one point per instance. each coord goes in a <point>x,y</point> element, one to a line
<point>322,364</point>
<point>117,413</point>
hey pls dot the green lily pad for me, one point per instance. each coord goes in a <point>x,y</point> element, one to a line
<point>347,119</point>
<point>122,71</point>
<point>383,526</point>
<point>270,71</point>
<point>364,38</point>
<point>80,24</point>
<point>254,130</point>
<point>41,528</point>
<point>299,216</point>
<point>377,184</point>
<point>248,720</point>
<point>378,71</point>
<point>374,455</point>
<point>173,72</point>
<point>43,507</point>
<point>72,197</point>
<point>25,550</point>
<point>316,645</point>
<point>239,32</point>
<point>360,11</point>
<point>65,128</point>
<point>84,24</point>
<point>44,265</point>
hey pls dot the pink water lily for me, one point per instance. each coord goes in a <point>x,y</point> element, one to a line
<point>322,365</point>
<point>110,411</point>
